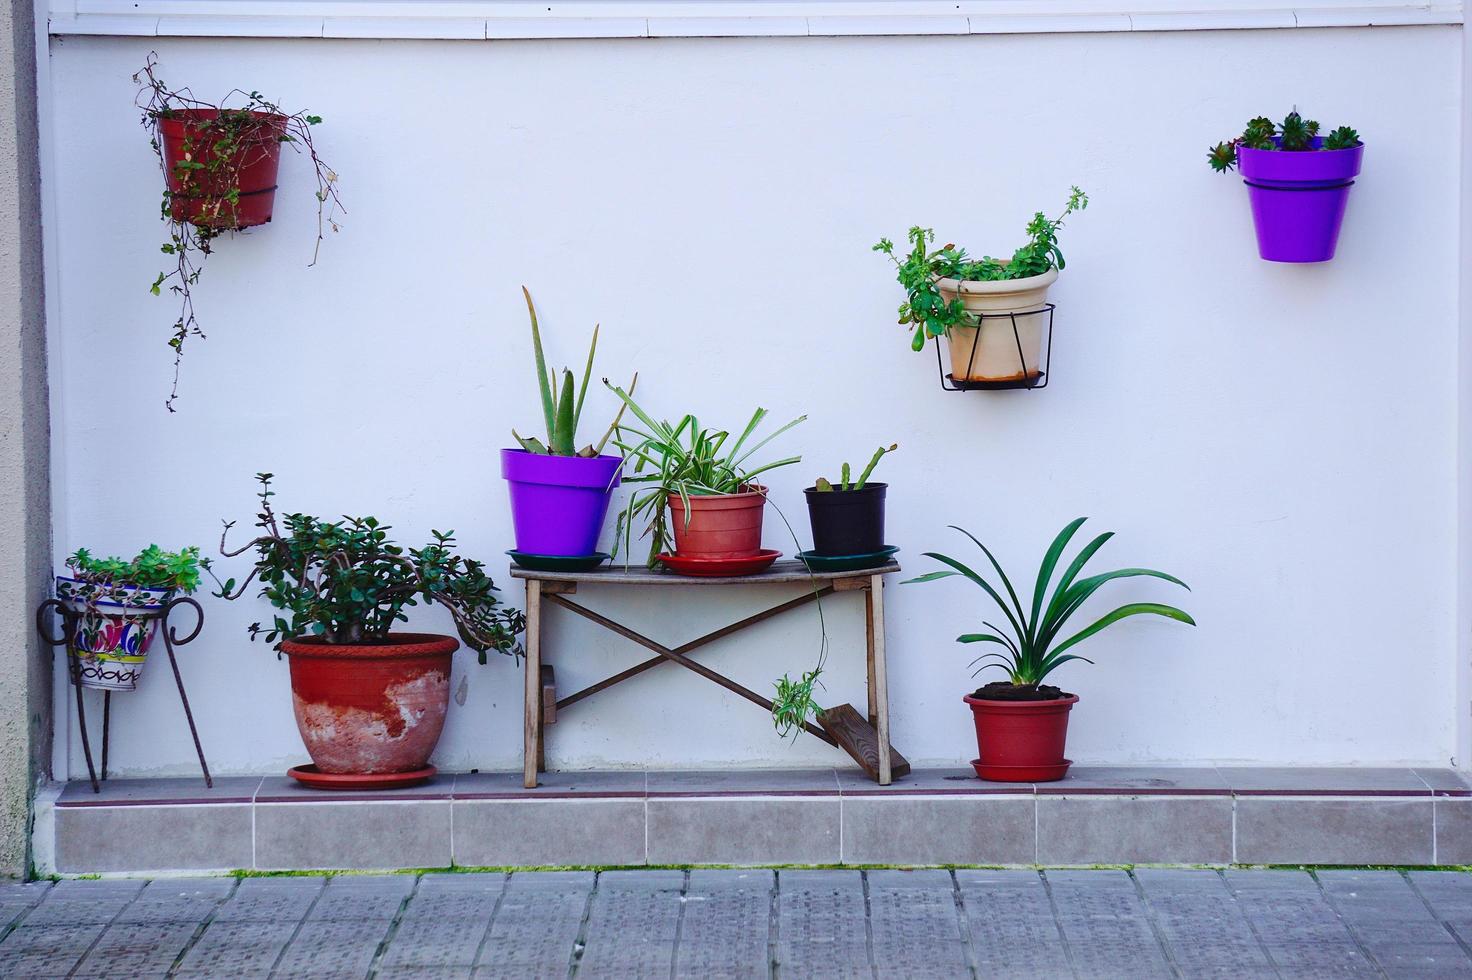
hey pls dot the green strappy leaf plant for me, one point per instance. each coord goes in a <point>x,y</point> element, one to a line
<point>1029,641</point>
<point>682,460</point>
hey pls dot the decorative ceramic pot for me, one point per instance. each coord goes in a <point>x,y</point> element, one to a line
<point>114,626</point>
<point>1007,344</point>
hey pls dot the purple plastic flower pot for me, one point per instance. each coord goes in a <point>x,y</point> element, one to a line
<point>1298,199</point>
<point>558,503</point>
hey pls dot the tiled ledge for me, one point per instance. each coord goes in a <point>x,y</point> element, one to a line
<point>1099,815</point>
<point>516,19</point>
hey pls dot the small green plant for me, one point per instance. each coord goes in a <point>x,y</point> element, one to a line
<point>930,312</point>
<point>1296,134</point>
<point>560,410</point>
<point>216,150</point>
<point>122,581</point>
<point>1031,648</point>
<point>824,486</point>
<point>793,703</point>
<point>681,461</point>
<point>346,582</point>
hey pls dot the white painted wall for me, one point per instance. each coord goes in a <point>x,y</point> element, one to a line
<point>1283,438</point>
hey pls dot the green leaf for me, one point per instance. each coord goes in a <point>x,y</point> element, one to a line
<point>1123,612</point>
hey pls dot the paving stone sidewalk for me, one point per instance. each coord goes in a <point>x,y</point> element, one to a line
<point>724,923</point>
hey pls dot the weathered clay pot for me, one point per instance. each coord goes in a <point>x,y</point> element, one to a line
<point>371,708</point>
<point>990,352</point>
<point>723,525</point>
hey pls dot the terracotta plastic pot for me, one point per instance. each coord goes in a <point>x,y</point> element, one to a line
<point>559,503</point>
<point>371,708</point>
<point>993,351</point>
<point>727,525</point>
<point>1021,741</point>
<point>1298,199</point>
<point>111,639</point>
<point>847,522</point>
<point>200,196</point>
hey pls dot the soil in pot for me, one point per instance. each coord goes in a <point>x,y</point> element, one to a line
<point>1021,734</point>
<point>847,522</point>
<point>201,197</point>
<point>371,708</point>
<point>727,525</point>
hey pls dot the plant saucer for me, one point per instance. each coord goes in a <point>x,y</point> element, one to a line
<point>721,567</point>
<point>558,563</point>
<point>310,775</point>
<point>846,563</point>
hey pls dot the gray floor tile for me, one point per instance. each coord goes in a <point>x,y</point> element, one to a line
<point>1134,830</point>
<point>1205,930</point>
<point>227,789</point>
<point>78,902</point>
<point>540,833</point>
<point>1334,831</point>
<point>1453,831</point>
<point>271,899</point>
<point>46,950</point>
<point>632,924</point>
<point>786,830</point>
<point>1311,780</point>
<point>178,900</point>
<point>820,924</point>
<point>404,834</point>
<point>1446,782</point>
<point>376,897</point>
<point>616,783</point>
<point>17,898</point>
<point>939,830</point>
<point>720,782</point>
<point>1106,925</point>
<point>915,924</point>
<point>1126,780</point>
<point>159,838</point>
<point>333,948</point>
<point>950,782</point>
<point>1011,922</point>
<point>1296,926</point>
<point>137,949</point>
<point>536,928</point>
<point>237,949</point>
<point>725,930</point>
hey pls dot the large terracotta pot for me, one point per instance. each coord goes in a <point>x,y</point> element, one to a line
<point>1021,741</point>
<point>990,352</point>
<point>371,708</point>
<point>726,525</point>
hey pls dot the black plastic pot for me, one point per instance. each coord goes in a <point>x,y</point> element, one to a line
<point>847,522</point>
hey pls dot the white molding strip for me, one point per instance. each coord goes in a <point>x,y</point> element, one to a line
<point>509,19</point>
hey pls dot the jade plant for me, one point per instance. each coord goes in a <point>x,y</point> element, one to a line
<point>561,411</point>
<point>123,581</point>
<point>1031,640</point>
<point>825,486</point>
<point>929,311</point>
<point>1294,134</point>
<point>347,582</point>
<point>680,460</point>
<point>219,144</point>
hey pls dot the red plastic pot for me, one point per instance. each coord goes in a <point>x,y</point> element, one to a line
<point>200,196</point>
<point>368,708</point>
<point>1021,741</point>
<point>727,525</point>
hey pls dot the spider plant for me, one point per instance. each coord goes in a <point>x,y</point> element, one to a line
<point>1031,649</point>
<point>683,460</point>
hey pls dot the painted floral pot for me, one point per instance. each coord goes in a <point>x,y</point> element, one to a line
<point>1298,199</point>
<point>724,525</point>
<point>370,708</point>
<point>1021,741</point>
<point>1007,343</point>
<point>202,197</point>
<point>114,627</point>
<point>559,503</point>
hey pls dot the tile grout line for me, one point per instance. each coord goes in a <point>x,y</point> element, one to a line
<point>1251,926</point>
<point>965,925</point>
<point>200,930</point>
<point>307,914</point>
<point>1155,928</point>
<point>580,942</point>
<point>1058,922</point>
<point>679,925</point>
<point>103,931</point>
<point>868,926</point>
<point>393,929</point>
<point>1347,925</point>
<point>1416,890</point>
<point>774,925</point>
<point>21,916</point>
<point>485,937</point>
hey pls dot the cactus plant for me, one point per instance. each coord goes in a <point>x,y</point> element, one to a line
<point>826,487</point>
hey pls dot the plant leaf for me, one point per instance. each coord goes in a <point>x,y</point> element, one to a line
<point>1123,612</point>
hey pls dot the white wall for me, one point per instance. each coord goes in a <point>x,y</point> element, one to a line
<point>1283,438</point>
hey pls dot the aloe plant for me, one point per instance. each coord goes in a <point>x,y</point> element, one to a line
<point>825,486</point>
<point>1031,649</point>
<point>561,409</point>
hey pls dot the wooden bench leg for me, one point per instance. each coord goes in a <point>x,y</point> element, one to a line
<point>531,749</point>
<point>879,681</point>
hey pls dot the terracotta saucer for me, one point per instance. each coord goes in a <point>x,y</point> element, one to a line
<point>308,775</point>
<point>723,567</point>
<point>1021,774</point>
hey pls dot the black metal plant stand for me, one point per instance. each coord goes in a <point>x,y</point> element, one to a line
<point>69,618</point>
<point>1040,380</point>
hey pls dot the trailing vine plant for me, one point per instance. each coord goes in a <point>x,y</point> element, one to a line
<point>216,149</point>
<point>1296,134</point>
